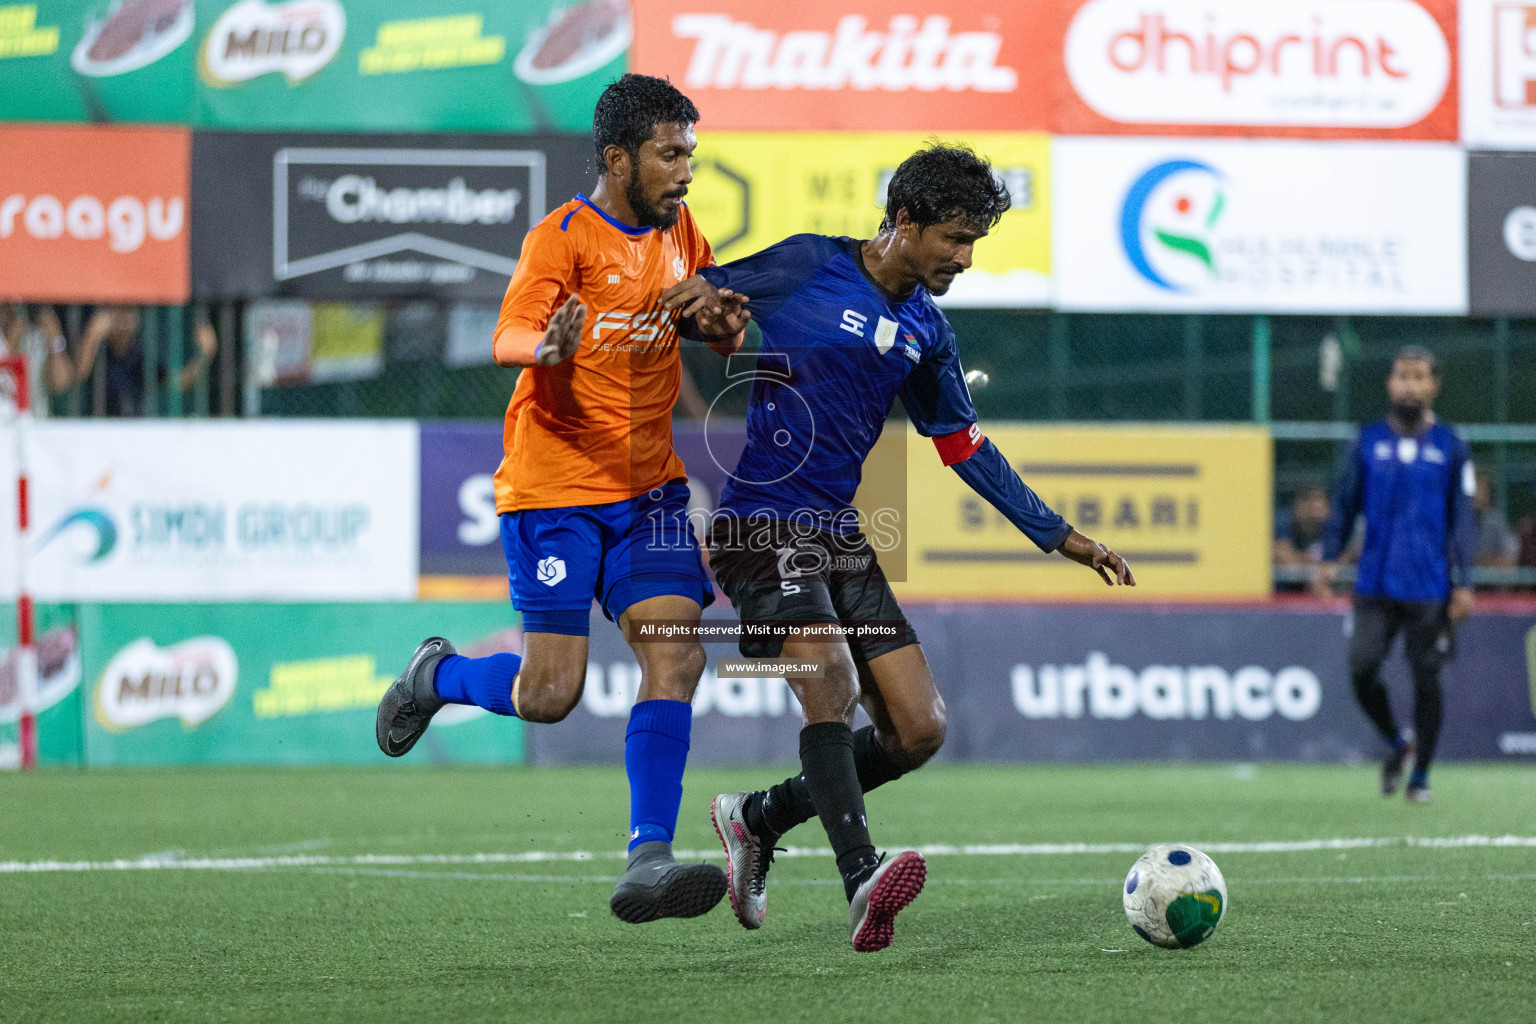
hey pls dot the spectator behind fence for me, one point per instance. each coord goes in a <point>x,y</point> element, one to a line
<point>1299,531</point>
<point>1497,544</point>
<point>126,390</point>
<point>39,340</point>
<point>1525,530</point>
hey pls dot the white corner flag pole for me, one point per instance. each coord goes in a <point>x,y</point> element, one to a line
<point>26,620</point>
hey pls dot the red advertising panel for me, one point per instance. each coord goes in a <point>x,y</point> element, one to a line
<point>1315,68</point>
<point>94,214</point>
<point>866,64</point>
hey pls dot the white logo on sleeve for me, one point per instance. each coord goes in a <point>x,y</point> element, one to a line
<point>1469,482</point>
<point>551,570</point>
<point>853,322</point>
<point>885,335</point>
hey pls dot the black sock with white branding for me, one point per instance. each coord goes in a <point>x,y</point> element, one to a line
<point>826,763</point>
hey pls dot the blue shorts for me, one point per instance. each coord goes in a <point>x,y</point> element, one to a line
<point>560,559</point>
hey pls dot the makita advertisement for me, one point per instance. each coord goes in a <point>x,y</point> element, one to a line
<point>1055,683</point>
<point>364,216</point>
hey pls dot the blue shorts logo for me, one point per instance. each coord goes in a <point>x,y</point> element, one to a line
<point>1167,221</point>
<point>93,518</point>
<point>551,570</point>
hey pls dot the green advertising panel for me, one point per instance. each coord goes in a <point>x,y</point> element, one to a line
<point>58,707</point>
<point>313,65</point>
<point>276,683</point>
<point>97,60</point>
<point>407,65</point>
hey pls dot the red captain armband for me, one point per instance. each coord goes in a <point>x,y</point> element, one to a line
<point>960,445</point>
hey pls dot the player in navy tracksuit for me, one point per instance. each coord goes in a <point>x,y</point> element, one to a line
<point>1412,478</point>
<point>847,327</point>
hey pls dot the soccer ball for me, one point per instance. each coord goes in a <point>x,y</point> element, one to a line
<point>1174,896</point>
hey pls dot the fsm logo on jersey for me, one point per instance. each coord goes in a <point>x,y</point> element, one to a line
<point>1259,226</point>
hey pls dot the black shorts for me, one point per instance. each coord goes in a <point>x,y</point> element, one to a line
<point>775,575</point>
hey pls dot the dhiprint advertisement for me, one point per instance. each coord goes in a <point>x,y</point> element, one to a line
<point>1259,226</point>
<point>274,511</point>
<point>1322,68</point>
<point>752,189</point>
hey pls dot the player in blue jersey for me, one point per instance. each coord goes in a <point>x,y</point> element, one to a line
<point>1411,477</point>
<point>848,326</point>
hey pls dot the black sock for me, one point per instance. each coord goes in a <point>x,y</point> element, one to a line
<point>776,811</point>
<point>826,762</point>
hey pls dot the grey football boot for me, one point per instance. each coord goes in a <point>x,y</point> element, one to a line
<point>656,886</point>
<point>407,707</point>
<point>884,894</point>
<point>747,858</point>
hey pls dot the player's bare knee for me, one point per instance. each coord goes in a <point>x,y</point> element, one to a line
<point>672,671</point>
<point>548,693</point>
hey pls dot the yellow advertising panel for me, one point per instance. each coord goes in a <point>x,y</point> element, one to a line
<point>1189,507</point>
<point>752,189</point>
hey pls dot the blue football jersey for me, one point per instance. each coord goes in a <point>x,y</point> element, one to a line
<point>838,349</point>
<point>1416,496</point>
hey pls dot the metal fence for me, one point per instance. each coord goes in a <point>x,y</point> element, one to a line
<point>1311,379</point>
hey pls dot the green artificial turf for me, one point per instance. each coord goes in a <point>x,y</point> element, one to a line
<point>1393,933</point>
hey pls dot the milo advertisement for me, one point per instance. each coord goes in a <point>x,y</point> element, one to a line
<point>276,683</point>
<point>104,61</point>
<point>406,65</point>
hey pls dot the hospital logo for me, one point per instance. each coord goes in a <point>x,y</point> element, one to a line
<point>551,570</point>
<point>1167,224</point>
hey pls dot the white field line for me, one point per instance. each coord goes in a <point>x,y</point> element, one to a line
<point>173,862</point>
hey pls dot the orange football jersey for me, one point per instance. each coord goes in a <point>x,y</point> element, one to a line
<point>596,428</point>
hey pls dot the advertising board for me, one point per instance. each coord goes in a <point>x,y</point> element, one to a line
<point>1498,74</point>
<point>752,189</point>
<point>1187,506</point>
<point>393,65</point>
<point>1318,68</point>
<point>862,64</point>
<point>367,216</point>
<point>166,511</point>
<point>94,214</point>
<point>1259,226</point>
<point>1501,233</point>
<point>1029,682</point>
<point>276,683</point>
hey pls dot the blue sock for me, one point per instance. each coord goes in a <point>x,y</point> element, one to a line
<point>655,753</point>
<point>484,682</point>
<point>1419,778</point>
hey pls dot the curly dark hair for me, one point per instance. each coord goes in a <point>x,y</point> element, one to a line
<point>629,110</point>
<point>942,183</point>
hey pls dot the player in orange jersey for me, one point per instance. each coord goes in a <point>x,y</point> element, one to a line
<point>592,498</point>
